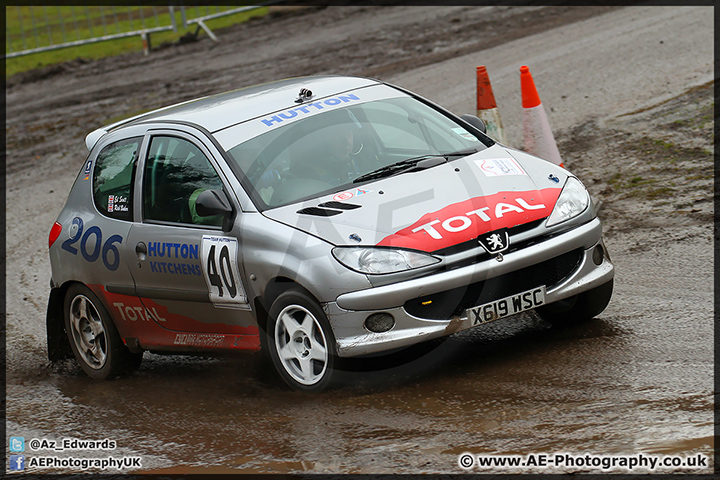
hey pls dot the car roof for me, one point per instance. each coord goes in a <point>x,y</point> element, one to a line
<point>223,110</point>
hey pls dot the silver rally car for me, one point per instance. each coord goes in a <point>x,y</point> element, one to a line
<point>315,218</point>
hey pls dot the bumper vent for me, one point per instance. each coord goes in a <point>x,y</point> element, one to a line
<point>451,303</point>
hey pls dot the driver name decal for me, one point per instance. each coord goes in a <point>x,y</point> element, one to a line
<point>117,203</point>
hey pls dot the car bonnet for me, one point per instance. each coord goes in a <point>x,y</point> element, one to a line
<point>434,208</point>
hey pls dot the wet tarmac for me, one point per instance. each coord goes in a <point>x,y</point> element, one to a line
<point>631,381</point>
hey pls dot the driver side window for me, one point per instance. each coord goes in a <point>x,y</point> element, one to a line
<point>176,172</point>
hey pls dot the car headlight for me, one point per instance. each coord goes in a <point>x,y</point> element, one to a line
<point>573,200</point>
<point>376,260</point>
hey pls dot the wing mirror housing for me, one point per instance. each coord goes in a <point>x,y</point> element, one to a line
<point>475,122</point>
<point>215,202</point>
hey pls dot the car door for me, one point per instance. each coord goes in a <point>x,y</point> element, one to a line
<point>187,271</point>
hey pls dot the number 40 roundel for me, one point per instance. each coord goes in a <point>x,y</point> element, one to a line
<point>220,268</point>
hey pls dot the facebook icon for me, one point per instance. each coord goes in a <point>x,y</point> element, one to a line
<point>17,462</point>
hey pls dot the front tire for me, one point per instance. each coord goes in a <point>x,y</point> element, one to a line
<point>300,341</point>
<point>93,338</point>
<point>579,308</point>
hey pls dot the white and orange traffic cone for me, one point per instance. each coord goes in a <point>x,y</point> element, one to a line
<point>537,135</point>
<point>487,108</point>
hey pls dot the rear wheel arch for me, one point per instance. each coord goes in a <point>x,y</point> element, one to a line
<point>57,340</point>
<point>58,346</point>
<point>92,335</point>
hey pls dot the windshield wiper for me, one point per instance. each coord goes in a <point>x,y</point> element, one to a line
<point>392,169</point>
<point>410,164</point>
<point>460,153</point>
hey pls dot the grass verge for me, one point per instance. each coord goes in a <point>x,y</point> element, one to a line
<point>33,27</point>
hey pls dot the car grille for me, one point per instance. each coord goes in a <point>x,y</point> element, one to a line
<point>473,244</point>
<point>451,303</point>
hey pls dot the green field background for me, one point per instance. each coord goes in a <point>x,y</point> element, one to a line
<point>29,27</point>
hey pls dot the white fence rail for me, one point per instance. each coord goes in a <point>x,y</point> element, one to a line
<point>45,28</point>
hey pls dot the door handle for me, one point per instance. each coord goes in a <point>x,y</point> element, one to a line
<point>141,250</point>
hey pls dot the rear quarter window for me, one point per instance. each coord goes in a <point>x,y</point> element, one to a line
<point>113,178</point>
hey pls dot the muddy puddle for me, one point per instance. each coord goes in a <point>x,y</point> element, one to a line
<point>514,388</point>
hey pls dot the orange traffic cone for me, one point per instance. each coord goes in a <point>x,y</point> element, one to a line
<point>537,135</point>
<point>486,108</point>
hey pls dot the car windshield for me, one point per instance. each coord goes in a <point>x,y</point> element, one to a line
<point>345,147</point>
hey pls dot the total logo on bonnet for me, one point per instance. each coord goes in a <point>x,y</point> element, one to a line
<point>467,220</point>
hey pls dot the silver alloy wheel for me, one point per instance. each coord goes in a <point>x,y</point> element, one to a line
<point>301,345</point>
<point>88,332</point>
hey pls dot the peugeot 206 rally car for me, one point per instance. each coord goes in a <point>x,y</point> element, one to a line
<point>315,218</point>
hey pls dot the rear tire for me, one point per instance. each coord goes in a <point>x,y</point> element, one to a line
<point>579,308</point>
<point>93,338</point>
<point>300,342</point>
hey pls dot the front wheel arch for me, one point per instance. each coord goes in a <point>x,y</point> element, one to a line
<point>274,288</point>
<point>579,308</point>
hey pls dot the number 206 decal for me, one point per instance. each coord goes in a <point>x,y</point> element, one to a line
<point>92,246</point>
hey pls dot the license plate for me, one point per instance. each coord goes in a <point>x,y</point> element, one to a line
<point>507,306</point>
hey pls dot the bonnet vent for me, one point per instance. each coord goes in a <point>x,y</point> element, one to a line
<point>319,212</point>
<point>328,209</point>
<point>340,205</point>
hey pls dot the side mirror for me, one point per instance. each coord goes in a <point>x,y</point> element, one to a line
<point>214,202</point>
<point>475,122</point>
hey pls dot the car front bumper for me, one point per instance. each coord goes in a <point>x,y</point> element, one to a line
<point>350,310</point>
